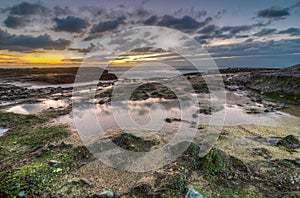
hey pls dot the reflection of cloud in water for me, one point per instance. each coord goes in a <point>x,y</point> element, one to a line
<point>37,107</point>
<point>142,112</point>
<point>146,114</point>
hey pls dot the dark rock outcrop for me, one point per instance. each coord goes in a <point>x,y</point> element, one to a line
<point>278,83</point>
<point>56,75</point>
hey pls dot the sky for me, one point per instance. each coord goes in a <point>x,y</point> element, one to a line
<point>257,33</point>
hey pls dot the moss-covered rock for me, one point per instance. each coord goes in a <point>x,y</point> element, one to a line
<point>290,142</point>
<point>134,143</point>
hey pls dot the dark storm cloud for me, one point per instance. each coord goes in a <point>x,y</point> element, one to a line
<point>24,9</point>
<point>220,14</point>
<point>273,13</point>
<point>93,11</point>
<point>242,36</point>
<point>84,50</point>
<point>203,39</point>
<point>102,27</point>
<point>208,29</point>
<point>59,11</point>
<point>284,46</point>
<point>249,40</point>
<point>265,32</point>
<point>70,24</point>
<point>291,31</point>
<point>151,20</point>
<point>192,12</point>
<point>107,25</point>
<point>140,12</point>
<point>16,22</point>
<point>26,42</point>
<point>226,32</point>
<point>236,29</point>
<point>185,24</point>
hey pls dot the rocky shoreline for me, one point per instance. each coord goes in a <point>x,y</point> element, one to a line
<point>40,157</point>
<point>53,75</point>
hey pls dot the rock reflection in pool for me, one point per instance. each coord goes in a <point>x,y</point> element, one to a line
<point>37,107</point>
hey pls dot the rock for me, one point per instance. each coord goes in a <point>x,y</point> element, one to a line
<point>64,144</point>
<point>106,194</point>
<point>54,163</point>
<point>205,111</point>
<point>290,142</point>
<point>192,193</point>
<point>169,120</point>
<point>84,181</point>
<point>142,188</point>
<point>282,84</point>
<point>50,146</point>
<point>21,193</point>
<point>254,111</point>
<point>104,100</point>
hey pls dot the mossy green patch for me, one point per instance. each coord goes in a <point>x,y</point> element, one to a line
<point>11,120</point>
<point>289,142</point>
<point>281,96</point>
<point>25,152</point>
<point>215,161</point>
<point>134,143</point>
<point>37,178</point>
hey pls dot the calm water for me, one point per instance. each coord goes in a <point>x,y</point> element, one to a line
<point>37,107</point>
<point>151,114</point>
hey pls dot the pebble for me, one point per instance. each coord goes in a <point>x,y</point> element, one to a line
<point>192,193</point>
<point>107,194</point>
<point>54,163</point>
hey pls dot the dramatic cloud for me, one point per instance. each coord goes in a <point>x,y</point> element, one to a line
<point>284,46</point>
<point>70,24</point>
<point>84,50</point>
<point>26,43</point>
<point>236,29</point>
<point>220,14</point>
<point>16,22</point>
<point>273,13</point>
<point>265,32</point>
<point>192,12</point>
<point>58,11</point>
<point>242,36</point>
<point>291,31</point>
<point>107,26</point>
<point>151,20</point>
<point>99,29</point>
<point>226,32</point>
<point>203,39</point>
<point>25,8</point>
<point>208,29</point>
<point>185,24</point>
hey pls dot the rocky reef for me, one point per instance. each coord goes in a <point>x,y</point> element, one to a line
<point>278,83</point>
<point>55,75</point>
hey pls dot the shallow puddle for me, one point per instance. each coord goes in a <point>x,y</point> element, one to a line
<point>152,113</point>
<point>37,107</point>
